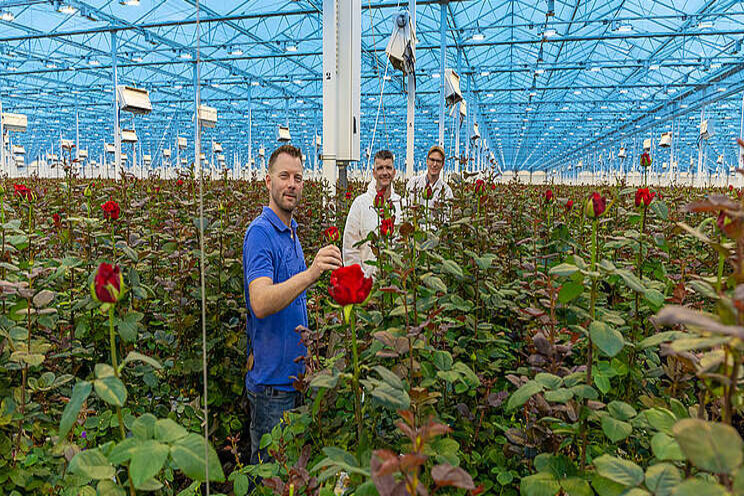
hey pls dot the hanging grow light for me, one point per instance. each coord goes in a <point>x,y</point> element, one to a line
<point>134,100</point>
<point>452,93</point>
<point>182,144</point>
<point>207,116</point>
<point>14,122</point>
<point>128,136</point>
<point>283,134</point>
<point>217,147</point>
<point>666,140</point>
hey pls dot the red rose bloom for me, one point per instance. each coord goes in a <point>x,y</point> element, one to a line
<point>387,227</point>
<point>379,202</point>
<point>107,284</point>
<point>493,187</point>
<point>595,206</point>
<point>57,220</point>
<point>349,286</point>
<point>645,160</point>
<point>348,195</point>
<point>110,210</point>
<point>480,187</point>
<point>569,204</point>
<point>731,187</point>
<point>179,182</point>
<point>331,234</point>
<point>549,196</point>
<point>23,191</point>
<point>428,192</point>
<point>644,197</point>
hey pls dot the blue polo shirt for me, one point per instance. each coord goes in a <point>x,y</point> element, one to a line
<point>271,249</point>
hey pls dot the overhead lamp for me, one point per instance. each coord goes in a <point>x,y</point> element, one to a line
<point>50,65</point>
<point>236,51</point>
<point>66,9</point>
<point>654,67</point>
<point>130,3</point>
<point>577,92</point>
<point>184,55</point>
<point>93,62</point>
<point>715,66</point>
<point>478,36</point>
<point>7,16</point>
<point>291,48</point>
<point>255,83</point>
<point>533,93</point>
<point>549,33</point>
<point>624,28</point>
<point>595,69</point>
<point>705,24</point>
<point>137,59</point>
<point>529,109</point>
<point>623,92</point>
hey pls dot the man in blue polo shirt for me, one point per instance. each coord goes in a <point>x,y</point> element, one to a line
<point>275,277</point>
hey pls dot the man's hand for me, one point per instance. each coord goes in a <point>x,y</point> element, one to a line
<point>328,258</point>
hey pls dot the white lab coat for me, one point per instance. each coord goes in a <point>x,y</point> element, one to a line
<point>417,185</point>
<point>363,219</point>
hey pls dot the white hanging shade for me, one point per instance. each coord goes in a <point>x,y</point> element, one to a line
<point>666,140</point>
<point>283,134</point>
<point>182,143</point>
<point>128,136</point>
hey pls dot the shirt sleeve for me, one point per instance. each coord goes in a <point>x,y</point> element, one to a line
<point>257,256</point>
<point>352,235</point>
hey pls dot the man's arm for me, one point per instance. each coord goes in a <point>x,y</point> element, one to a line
<point>268,298</point>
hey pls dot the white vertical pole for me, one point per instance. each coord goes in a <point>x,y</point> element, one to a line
<point>2,140</point>
<point>250,126</point>
<point>442,63</point>
<point>117,131</point>
<point>701,145</point>
<point>411,108</point>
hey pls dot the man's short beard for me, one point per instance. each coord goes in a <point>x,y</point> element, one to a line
<point>280,204</point>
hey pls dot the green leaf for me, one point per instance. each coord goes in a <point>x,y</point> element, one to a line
<point>396,399</point>
<point>128,325</point>
<point>710,446</point>
<point>606,487</point>
<point>325,379</point>
<point>665,447</point>
<point>563,270</point>
<point>560,395</point>
<point>144,426</point>
<point>111,390</point>
<point>451,267</point>
<point>699,487</point>
<point>91,464</point>
<point>389,377</point>
<point>169,431</point>
<point>134,356</point>
<point>662,478</point>
<point>661,337</point>
<point>549,381</point>
<point>523,394</point>
<point>109,488</point>
<point>188,455</point>
<point>616,430</point>
<point>435,283</point>
<point>660,209</point>
<point>442,360</point>
<point>607,339</point>
<point>654,297</point>
<point>122,452</point>
<point>576,487</point>
<point>618,470</point>
<point>147,460</point>
<point>540,484</point>
<point>241,484</point>
<point>80,393</point>
<point>621,410</point>
<point>570,291</point>
<point>582,391</point>
<point>661,419</point>
<point>631,280</point>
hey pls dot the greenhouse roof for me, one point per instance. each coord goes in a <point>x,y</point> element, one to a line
<point>547,88</point>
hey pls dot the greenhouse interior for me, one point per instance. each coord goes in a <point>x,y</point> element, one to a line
<point>372,247</point>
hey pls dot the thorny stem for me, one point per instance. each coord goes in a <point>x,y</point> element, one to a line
<point>590,347</point>
<point>355,380</point>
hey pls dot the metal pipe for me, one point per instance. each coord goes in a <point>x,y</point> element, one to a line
<point>442,63</point>
<point>117,131</point>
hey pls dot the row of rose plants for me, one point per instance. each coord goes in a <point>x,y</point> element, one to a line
<point>527,339</point>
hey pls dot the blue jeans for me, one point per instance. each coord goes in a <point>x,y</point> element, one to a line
<point>267,409</point>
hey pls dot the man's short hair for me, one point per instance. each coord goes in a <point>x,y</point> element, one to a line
<point>385,155</point>
<point>290,150</point>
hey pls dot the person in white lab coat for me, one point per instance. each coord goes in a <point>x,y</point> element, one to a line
<point>418,186</point>
<point>364,217</point>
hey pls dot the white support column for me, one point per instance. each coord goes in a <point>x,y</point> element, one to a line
<point>442,63</point>
<point>411,107</point>
<point>2,141</point>
<point>701,145</point>
<point>117,130</point>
